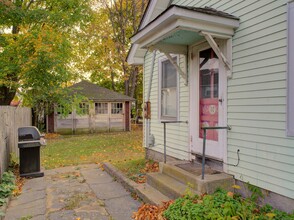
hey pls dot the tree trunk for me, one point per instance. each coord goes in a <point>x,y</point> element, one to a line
<point>112,81</point>
<point>134,80</point>
<point>6,95</point>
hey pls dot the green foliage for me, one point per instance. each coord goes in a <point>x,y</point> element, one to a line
<point>36,56</point>
<point>256,192</point>
<point>105,43</point>
<point>26,217</point>
<point>132,168</point>
<point>7,186</point>
<point>13,161</point>
<point>189,190</point>
<point>223,206</point>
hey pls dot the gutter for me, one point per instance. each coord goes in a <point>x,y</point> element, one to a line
<point>147,99</point>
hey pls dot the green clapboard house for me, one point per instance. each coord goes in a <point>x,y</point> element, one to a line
<point>226,64</point>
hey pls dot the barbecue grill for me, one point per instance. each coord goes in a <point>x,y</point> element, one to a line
<point>29,142</point>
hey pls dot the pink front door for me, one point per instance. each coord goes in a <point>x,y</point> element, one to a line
<point>208,94</point>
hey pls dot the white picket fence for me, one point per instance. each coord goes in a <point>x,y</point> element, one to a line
<point>11,118</point>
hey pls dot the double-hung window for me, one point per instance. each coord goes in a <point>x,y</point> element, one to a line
<point>168,90</point>
<point>290,81</point>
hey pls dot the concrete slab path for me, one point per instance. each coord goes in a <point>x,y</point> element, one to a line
<point>73,193</point>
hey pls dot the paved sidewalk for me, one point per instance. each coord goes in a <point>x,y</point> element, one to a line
<point>73,193</point>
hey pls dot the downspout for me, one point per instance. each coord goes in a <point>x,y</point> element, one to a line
<point>148,97</point>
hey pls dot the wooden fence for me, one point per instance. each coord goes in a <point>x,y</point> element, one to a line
<point>11,118</point>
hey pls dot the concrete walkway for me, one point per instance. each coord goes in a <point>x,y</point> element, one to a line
<point>73,193</point>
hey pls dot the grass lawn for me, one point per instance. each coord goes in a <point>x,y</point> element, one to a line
<point>122,149</point>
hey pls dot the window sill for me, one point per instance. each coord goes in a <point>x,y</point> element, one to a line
<point>162,119</point>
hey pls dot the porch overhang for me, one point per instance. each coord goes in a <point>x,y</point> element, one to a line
<point>178,27</point>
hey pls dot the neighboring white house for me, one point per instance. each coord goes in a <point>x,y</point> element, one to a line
<point>105,110</point>
<point>219,63</point>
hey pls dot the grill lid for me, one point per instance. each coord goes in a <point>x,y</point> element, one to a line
<point>30,133</point>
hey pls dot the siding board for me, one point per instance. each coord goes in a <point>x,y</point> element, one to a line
<point>269,77</point>
<point>260,56</point>
<point>260,86</point>
<point>281,43</point>
<point>266,132</point>
<point>263,139</point>
<point>257,123</point>
<point>260,33</point>
<point>256,9</point>
<point>275,60</point>
<point>251,148</point>
<point>269,39</point>
<point>258,72</point>
<point>177,135</point>
<point>260,116</point>
<point>258,101</point>
<point>258,109</point>
<point>256,95</point>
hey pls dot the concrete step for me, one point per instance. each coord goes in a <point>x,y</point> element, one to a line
<point>167,185</point>
<point>211,182</point>
<point>151,195</point>
<point>179,174</point>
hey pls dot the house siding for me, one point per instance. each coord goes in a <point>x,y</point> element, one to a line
<point>176,134</point>
<point>257,94</point>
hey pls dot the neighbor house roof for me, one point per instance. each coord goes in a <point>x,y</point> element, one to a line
<point>98,93</point>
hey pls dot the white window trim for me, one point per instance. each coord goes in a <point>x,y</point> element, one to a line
<point>160,61</point>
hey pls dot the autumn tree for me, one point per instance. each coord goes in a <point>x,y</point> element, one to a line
<point>108,43</point>
<point>96,56</point>
<point>125,16</point>
<point>36,44</point>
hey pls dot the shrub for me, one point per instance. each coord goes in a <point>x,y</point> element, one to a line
<point>7,186</point>
<point>221,205</point>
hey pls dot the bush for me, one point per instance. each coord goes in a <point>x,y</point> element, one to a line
<point>7,186</point>
<point>221,205</point>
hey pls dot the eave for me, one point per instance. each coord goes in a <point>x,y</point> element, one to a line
<point>176,20</point>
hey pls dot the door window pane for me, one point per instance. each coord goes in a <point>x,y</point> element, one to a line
<point>208,94</point>
<point>215,84</point>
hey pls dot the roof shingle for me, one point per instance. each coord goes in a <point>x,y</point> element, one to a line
<point>97,93</point>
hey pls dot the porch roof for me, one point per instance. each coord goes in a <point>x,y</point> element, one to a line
<point>178,27</point>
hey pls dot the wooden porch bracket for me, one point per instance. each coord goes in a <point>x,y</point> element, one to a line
<point>169,57</point>
<point>218,52</point>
